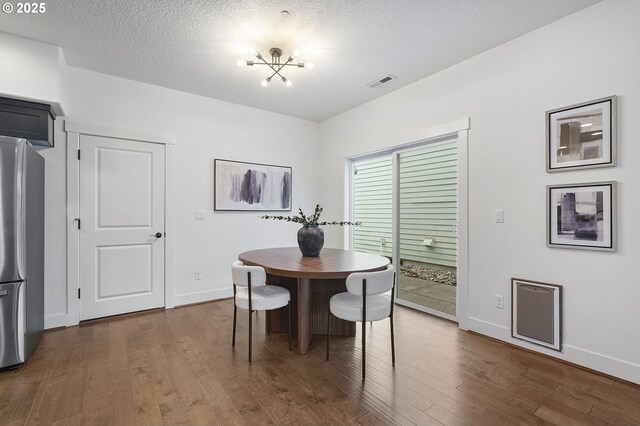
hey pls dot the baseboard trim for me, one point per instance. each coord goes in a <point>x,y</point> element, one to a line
<point>202,296</point>
<point>55,321</point>
<point>617,368</point>
<point>60,320</point>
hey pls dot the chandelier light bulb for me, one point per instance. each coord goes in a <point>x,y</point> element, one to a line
<point>255,53</point>
<point>310,65</point>
<point>241,63</point>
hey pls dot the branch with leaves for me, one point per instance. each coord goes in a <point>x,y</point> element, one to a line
<point>313,220</point>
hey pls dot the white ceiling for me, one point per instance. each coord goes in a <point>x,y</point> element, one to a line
<point>193,45</point>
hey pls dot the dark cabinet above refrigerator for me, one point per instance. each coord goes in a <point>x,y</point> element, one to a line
<point>28,120</point>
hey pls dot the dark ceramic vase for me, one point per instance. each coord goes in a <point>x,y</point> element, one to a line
<point>311,240</point>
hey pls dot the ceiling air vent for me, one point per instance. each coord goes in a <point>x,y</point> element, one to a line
<point>382,81</point>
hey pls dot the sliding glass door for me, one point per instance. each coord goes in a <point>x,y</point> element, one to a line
<point>372,205</point>
<point>407,201</point>
<point>426,218</point>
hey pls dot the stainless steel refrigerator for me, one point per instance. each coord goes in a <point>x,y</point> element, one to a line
<point>21,250</point>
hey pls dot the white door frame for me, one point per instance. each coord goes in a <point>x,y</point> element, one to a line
<point>459,129</point>
<point>74,129</point>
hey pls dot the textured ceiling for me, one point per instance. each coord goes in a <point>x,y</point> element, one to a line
<point>193,45</point>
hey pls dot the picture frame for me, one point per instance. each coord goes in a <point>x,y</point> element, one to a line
<point>582,216</point>
<point>244,186</point>
<point>581,136</point>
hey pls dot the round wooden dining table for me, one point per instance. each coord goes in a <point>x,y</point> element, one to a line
<point>311,281</point>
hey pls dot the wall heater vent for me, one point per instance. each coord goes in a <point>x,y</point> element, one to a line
<point>536,311</point>
<point>381,81</point>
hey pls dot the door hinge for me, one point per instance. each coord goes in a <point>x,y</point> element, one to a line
<point>78,221</point>
<point>78,154</point>
<point>78,293</point>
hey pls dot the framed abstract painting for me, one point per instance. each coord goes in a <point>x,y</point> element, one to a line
<point>582,216</point>
<point>241,186</point>
<point>582,136</point>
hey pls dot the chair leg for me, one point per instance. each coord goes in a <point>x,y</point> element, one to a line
<point>235,314</point>
<point>250,337</point>
<point>364,326</point>
<point>328,331</point>
<point>393,346</point>
<point>364,346</point>
<point>289,321</point>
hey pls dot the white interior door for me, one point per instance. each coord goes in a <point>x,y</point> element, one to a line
<point>122,226</point>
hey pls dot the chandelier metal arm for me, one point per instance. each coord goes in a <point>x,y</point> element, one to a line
<point>275,72</point>
<point>272,75</point>
<point>275,64</point>
<point>259,56</point>
<point>272,64</point>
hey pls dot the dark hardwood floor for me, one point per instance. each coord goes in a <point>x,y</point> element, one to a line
<point>177,367</point>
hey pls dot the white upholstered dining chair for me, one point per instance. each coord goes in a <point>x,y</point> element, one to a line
<point>255,295</point>
<point>365,301</point>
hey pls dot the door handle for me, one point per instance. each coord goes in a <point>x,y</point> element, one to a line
<point>4,292</point>
<point>157,235</point>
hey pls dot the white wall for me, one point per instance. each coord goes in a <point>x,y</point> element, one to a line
<point>55,203</point>
<point>505,92</point>
<point>33,71</point>
<point>204,129</point>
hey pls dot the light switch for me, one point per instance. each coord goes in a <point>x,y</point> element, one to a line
<point>499,218</point>
<point>199,214</point>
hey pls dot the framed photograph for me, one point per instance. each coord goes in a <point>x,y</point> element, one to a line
<point>582,136</point>
<point>582,216</point>
<point>240,186</point>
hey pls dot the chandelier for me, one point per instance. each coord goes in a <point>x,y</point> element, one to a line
<point>276,65</point>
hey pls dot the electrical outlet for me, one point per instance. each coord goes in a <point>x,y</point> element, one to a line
<point>499,301</point>
<point>199,214</point>
<point>383,242</point>
<point>198,274</point>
